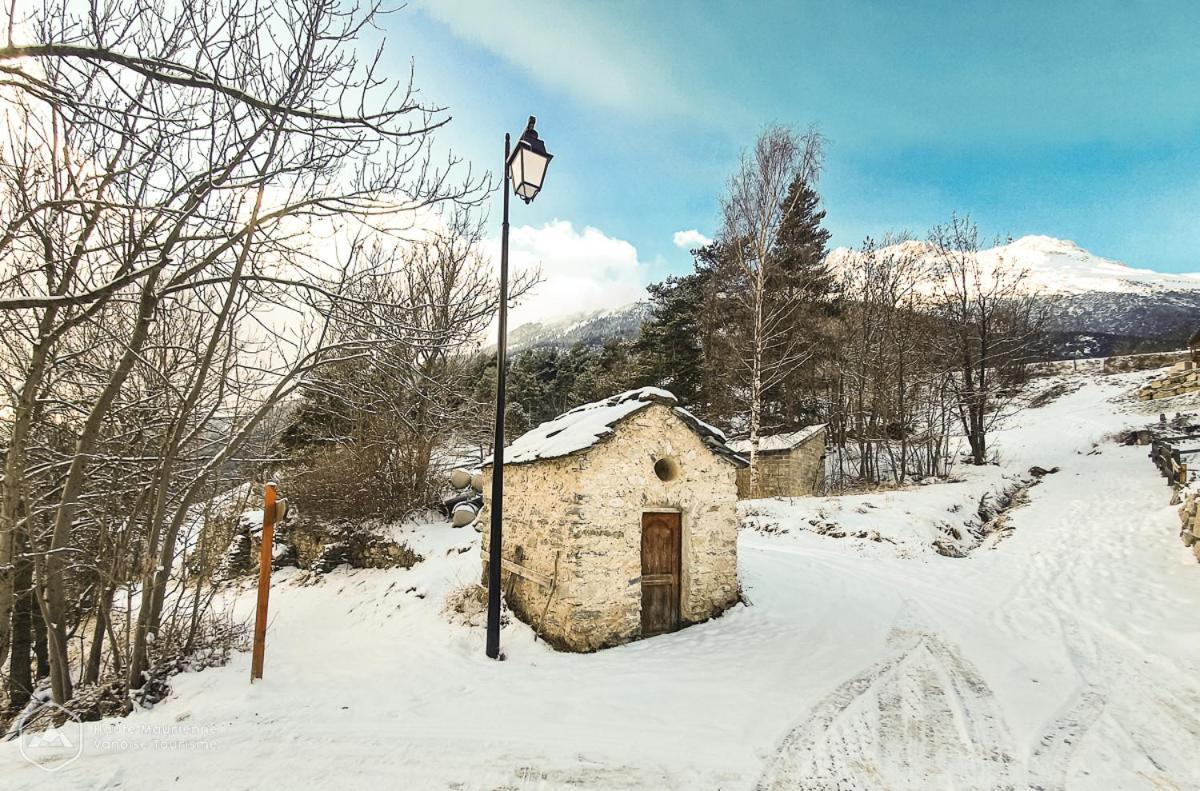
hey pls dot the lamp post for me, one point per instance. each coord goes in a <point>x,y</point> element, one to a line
<point>525,168</point>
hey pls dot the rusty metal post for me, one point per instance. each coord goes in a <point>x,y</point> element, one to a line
<point>264,581</point>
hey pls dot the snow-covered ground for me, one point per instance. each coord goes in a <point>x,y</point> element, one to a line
<point>1065,655</point>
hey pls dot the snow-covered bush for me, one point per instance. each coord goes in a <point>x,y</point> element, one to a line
<point>466,604</point>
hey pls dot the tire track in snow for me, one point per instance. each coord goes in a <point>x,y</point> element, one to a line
<point>1051,758</point>
<point>1122,702</point>
<point>1042,607</point>
<point>1161,726</point>
<point>923,713</point>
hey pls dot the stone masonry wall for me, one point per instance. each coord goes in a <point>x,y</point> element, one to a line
<point>1183,377</point>
<point>1124,363</point>
<point>587,509</point>
<point>541,510</point>
<point>1189,516</point>
<point>799,472</point>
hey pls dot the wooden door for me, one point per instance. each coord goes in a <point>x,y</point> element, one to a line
<point>661,551</point>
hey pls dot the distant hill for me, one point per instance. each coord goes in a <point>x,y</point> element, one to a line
<point>589,328</point>
<point>1099,306</point>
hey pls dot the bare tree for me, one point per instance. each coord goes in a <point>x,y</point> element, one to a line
<point>888,410</point>
<point>754,209</point>
<point>994,323</point>
<point>188,193</point>
<point>386,421</point>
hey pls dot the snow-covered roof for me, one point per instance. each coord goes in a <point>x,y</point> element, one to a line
<point>584,426</point>
<point>773,443</point>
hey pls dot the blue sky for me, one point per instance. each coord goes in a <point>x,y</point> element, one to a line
<point>1079,121</point>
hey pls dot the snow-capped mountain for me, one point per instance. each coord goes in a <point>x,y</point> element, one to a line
<point>1056,267</point>
<point>1062,267</point>
<point>1099,305</point>
<point>1095,296</point>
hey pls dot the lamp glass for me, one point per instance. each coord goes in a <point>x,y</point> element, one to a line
<point>527,169</point>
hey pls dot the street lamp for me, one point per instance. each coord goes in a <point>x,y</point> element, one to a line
<point>525,168</point>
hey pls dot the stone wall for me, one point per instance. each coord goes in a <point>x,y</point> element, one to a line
<point>316,546</point>
<point>584,513</point>
<point>541,509</point>
<point>1189,515</point>
<point>798,472</point>
<point>1180,378</point>
<point>1125,363</point>
<point>322,546</point>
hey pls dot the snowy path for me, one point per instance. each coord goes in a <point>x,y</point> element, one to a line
<point>1065,656</point>
<point>1047,662</point>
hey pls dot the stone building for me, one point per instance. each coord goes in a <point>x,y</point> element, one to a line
<point>620,522</point>
<point>789,465</point>
<point>1194,346</point>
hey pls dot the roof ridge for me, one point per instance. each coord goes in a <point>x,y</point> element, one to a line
<point>582,428</point>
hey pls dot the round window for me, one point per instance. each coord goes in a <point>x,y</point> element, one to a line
<point>666,468</point>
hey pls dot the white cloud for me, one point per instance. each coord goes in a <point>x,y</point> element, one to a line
<point>691,239</point>
<point>581,271</point>
<point>573,46</point>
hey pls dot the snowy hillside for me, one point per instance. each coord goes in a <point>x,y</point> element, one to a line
<point>1062,654</point>
<point>1099,305</point>
<point>588,328</point>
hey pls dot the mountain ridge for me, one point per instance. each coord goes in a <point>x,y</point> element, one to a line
<point>1099,305</point>
<point>1056,267</point>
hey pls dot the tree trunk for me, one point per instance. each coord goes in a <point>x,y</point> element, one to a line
<point>54,582</point>
<point>20,670</point>
<point>41,650</point>
<point>756,383</point>
<point>14,475</point>
<point>96,649</point>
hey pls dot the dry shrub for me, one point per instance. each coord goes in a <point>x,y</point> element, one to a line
<point>219,519</point>
<point>185,644</point>
<point>364,479</point>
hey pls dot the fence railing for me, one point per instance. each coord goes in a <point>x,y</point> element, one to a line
<point>1171,456</point>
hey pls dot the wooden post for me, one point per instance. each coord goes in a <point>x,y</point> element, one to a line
<point>264,581</point>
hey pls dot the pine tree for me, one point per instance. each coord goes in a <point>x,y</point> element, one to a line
<point>602,371</point>
<point>805,280</point>
<point>669,351</point>
<point>540,385</point>
<point>802,244</point>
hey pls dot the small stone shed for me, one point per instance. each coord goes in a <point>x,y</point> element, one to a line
<point>789,465</point>
<point>620,522</point>
<point>1194,347</point>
